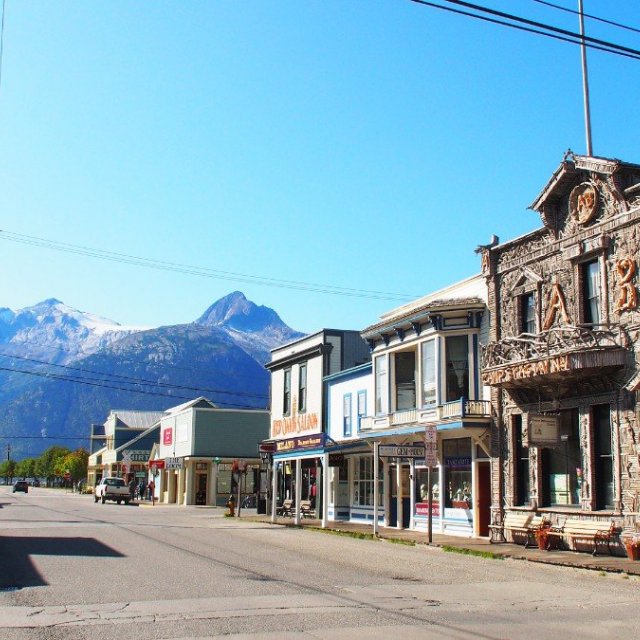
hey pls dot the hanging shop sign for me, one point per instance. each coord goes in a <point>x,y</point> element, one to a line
<point>167,436</point>
<point>542,429</point>
<point>173,463</point>
<point>390,451</point>
<point>154,465</point>
<point>336,459</point>
<point>301,443</point>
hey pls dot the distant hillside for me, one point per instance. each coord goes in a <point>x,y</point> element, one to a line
<point>220,356</point>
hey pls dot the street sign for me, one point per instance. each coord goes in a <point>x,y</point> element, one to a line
<point>431,445</point>
<point>390,451</point>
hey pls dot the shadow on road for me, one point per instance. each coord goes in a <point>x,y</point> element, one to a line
<point>17,569</point>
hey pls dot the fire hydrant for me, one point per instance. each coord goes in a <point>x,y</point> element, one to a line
<point>231,505</point>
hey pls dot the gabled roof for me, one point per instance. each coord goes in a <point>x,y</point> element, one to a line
<point>569,168</point>
<point>136,419</point>
<point>199,403</point>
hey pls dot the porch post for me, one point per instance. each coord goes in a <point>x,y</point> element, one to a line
<point>412,491</point>
<point>274,489</point>
<point>324,496</point>
<point>376,473</point>
<point>399,494</point>
<point>298,495</point>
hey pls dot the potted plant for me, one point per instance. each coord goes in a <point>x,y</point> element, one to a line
<point>632,545</point>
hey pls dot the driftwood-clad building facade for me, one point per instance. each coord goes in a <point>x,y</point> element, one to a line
<point>563,359</point>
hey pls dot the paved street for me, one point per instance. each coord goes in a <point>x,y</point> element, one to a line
<point>71,569</point>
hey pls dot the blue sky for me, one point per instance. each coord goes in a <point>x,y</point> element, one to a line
<point>355,143</point>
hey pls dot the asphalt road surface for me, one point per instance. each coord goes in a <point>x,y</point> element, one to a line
<point>73,569</point>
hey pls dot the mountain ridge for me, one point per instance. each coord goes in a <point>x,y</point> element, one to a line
<point>89,365</point>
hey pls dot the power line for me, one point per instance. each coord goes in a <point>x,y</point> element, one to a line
<point>587,15</point>
<point>131,380</point>
<point>98,352</point>
<point>203,272</point>
<point>537,28</point>
<point>94,383</point>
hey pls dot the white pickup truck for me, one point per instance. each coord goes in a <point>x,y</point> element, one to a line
<point>112,489</point>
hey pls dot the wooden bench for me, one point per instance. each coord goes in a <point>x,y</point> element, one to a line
<point>305,509</point>
<point>523,524</point>
<point>286,509</point>
<point>593,531</point>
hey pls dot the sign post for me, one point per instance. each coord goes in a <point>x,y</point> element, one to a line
<point>431,460</point>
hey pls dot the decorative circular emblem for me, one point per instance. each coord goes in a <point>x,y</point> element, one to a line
<point>583,203</point>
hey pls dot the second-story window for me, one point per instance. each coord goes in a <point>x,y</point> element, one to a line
<point>362,406</point>
<point>286,396</point>
<point>528,313</point>
<point>591,292</point>
<point>405,378</point>
<point>457,358</point>
<point>302,387</point>
<point>382,388</point>
<point>429,373</point>
<point>346,414</point>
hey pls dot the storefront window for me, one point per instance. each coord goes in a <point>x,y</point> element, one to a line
<point>363,482</point>
<point>562,465</point>
<point>422,492</point>
<point>457,472</point>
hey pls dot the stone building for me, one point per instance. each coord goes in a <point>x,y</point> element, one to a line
<point>563,357</point>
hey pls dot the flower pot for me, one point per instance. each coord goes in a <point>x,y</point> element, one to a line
<point>542,538</point>
<point>633,551</point>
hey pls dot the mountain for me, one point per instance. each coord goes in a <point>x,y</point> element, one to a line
<point>256,329</point>
<point>52,331</point>
<point>103,365</point>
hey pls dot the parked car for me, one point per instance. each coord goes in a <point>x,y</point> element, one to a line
<point>112,489</point>
<point>20,485</point>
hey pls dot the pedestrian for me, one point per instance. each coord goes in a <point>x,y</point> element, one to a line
<point>142,489</point>
<point>152,489</point>
<point>132,488</point>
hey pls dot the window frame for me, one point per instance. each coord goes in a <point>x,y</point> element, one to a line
<point>586,306</point>
<point>302,388</point>
<point>286,392</point>
<point>524,320</point>
<point>347,414</point>
<point>361,406</point>
<point>423,373</point>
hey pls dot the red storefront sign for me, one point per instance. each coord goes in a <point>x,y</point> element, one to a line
<point>422,508</point>
<point>156,464</point>
<point>167,436</point>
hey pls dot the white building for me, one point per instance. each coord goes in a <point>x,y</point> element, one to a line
<point>426,371</point>
<point>297,435</point>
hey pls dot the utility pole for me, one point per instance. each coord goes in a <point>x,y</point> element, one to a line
<point>585,83</point>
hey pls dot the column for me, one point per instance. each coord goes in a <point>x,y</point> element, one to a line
<point>298,495</point>
<point>180,487</point>
<point>190,479</point>
<point>323,493</point>
<point>213,485</point>
<point>412,491</point>
<point>398,522</point>
<point>171,495</point>
<point>274,490</point>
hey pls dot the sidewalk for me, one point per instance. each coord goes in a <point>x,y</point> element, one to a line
<point>577,560</point>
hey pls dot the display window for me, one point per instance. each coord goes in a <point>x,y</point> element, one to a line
<point>457,472</point>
